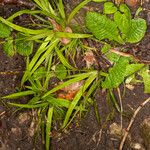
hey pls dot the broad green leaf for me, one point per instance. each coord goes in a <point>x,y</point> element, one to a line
<point>124,9</point>
<point>137,30</point>
<point>109,8</point>
<point>146,79</point>
<point>112,56</point>
<point>123,23</point>
<point>132,68</point>
<point>61,71</point>
<point>102,27</point>
<point>5,31</point>
<point>8,47</point>
<point>116,74</point>
<point>39,73</point>
<point>23,47</point>
<point>105,48</point>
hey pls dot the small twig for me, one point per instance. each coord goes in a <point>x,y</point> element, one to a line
<point>99,137</point>
<point>129,55</point>
<point>131,122</point>
<point>120,53</point>
<point>121,107</point>
<point>2,113</point>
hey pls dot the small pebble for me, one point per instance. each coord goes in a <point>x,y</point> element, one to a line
<point>132,3</point>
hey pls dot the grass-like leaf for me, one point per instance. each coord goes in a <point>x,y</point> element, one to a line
<point>19,94</point>
<point>22,29</point>
<point>78,96</point>
<point>76,79</point>
<point>63,59</point>
<point>76,9</point>
<point>48,127</point>
<point>29,106</point>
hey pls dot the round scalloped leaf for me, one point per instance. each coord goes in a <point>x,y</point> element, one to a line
<point>5,31</point>
<point>137,30</point>
<point>109,8</point>
<point>23,47</point>
<point>8,47</point>
<point>102,27</point>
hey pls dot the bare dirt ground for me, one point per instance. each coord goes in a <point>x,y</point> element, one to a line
<point>85,134</point>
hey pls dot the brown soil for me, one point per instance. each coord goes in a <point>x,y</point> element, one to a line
<point>86,134</point>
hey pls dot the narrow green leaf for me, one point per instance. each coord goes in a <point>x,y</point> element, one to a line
<point>71,35</point>
<point>21,12</point>
<point>99,0</point>
<point>78,96</point>
<point>48,127</point>
<point>61,9</point>
<point>43,57</point>
<point>19,94</point>
<point>58,102</point>
<point>76,9</point>
<point>29,106</point>
<point>76,79</point>
<point>63,59</point>
<point>22,29</point>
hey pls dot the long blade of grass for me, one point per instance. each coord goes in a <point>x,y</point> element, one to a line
<point>21,12</point>
<point>114,101</point>
<point>61,9</point>
<point>58,101</point>
<point>78,78</point>
<point>40,50</point>
<point>43,57</point>
<point>71,35</point>
<point>48,127</point>
<point>76,9</point>
<point>29,106</point>
<point>38,36</point>
<point>77,97</point>
<point>19,94</point>
<point>63,59</point>
<point>22,29</point>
